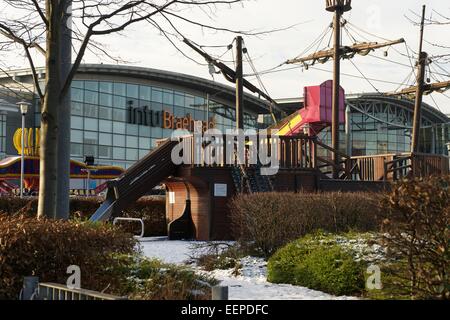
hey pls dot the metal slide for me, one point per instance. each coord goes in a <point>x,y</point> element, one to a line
<point>137,181</point>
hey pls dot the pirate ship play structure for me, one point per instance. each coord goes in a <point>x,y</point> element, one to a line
<point>198,194</point>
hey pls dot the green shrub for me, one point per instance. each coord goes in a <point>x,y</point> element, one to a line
<point>152,210</point>
<point>318,265</point>
<point>150,279</point>
<point>416,223</point>
<point>46,248</point>
<point>267,221</point>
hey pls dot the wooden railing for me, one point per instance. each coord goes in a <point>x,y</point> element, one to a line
<point>289,152</point>
<point>397,166</point>
<point>347,168</point>
<point>308,153</point>
<point>293,152</point>
<point>429,164</point>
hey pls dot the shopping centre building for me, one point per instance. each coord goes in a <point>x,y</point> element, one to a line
<point>119,112</point>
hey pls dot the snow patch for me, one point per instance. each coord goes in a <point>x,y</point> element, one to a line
<point>250,284</point>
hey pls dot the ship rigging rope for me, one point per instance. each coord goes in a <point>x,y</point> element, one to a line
<point>261,84</point>
<point>316,41</point>
<point>363,75</point>
<point>270,71</point>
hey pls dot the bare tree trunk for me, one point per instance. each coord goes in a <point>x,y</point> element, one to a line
<point>49,115</point>
<point>63,188</point>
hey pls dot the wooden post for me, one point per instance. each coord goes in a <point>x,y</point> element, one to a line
<point>30,285</point>
<point>219,293</point>
<point>239,85</point>
<point>419,91</point>
<point>336,91</point>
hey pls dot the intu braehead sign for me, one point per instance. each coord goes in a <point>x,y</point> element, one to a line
<point>164,119</point>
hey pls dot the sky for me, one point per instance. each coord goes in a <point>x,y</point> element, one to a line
<point>142,45</point>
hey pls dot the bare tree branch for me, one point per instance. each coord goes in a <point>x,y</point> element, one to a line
<point>40,12</point>
<point>7,32</point>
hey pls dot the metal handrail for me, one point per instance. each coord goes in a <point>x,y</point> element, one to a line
<point>55,291</point>
<point>132,219</point>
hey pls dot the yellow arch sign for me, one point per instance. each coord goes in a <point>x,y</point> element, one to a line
<point>31,141</point>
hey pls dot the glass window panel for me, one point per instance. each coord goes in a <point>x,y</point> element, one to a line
<point>90,124</point>
<point>118,153</point>
<point>119,89</point>
<point>119,115</point>
<point>119,127</point>
<point>168,108</point>
<point>77,94</point>
<point>156,95</point>
<point>119,140</point>
<point>106,99</point>
<point>105,152</point>
<point>90,137</point>
<point>90,111</point>
<point>119,102</point>
<point>105,139</point>
<point>90,150</point>
<point>91,97</point>
<point>199,102</point>
<point>76,149</point>
<point>199,115</point>
<point>132,154</point>
<point>132,129</point>
<point>76,122</point>
<point>168,97</point>
<point>145,93</point>
<point>133,91</point>
<point>179,100</point>
<point>76,108</point>
<point>132,142</point>
<point>157,132</point>
<point>167,133</point>
<point>144,131</point>
<point>106,87</point>
<point>179,111</point>
<point>189,102</point>
<point>156,107</point>
<point>91,85</point>
<point>105,113</point>
<point>76,136</point>
<point>77,84</point>
<point>105,125</point>
<point>145,143</point>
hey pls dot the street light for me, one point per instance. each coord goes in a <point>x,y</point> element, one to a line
<point>23,105</point>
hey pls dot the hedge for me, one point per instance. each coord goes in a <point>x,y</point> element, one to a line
<point>150,209</point>
<point>267,221</point>
<point>46,248</point>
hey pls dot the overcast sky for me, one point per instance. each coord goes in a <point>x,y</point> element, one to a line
<point>143,46</point>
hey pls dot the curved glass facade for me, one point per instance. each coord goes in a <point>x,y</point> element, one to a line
<point>385,128</point>
<point>118,123</point>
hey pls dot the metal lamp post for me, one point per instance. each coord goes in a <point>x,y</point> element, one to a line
<point>23,105</point>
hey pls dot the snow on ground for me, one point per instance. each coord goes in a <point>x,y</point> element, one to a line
<point>177,252</point>
<point>250,284</point>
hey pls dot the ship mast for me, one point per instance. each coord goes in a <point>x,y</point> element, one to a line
<point>339,7</point>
